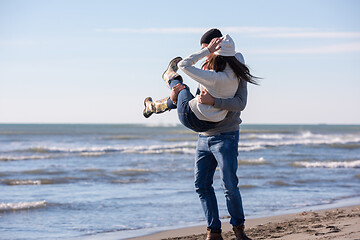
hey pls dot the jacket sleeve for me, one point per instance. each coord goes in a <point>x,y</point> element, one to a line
<point>237,103</point>
<point>204,77</point>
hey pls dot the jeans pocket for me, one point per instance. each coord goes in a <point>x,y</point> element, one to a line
<point>232,138</point>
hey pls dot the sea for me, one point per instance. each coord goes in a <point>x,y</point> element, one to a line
<point>83,181</point>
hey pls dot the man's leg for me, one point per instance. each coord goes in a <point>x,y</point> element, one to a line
<point>225,149</point>
<point>205,166</point>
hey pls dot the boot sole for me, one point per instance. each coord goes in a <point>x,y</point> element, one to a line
<point>144,111</point>
<point>162,76</point>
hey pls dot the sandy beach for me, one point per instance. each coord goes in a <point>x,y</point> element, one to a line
<point>336,223</point>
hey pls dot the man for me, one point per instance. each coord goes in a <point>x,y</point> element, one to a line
<point>219,147</point>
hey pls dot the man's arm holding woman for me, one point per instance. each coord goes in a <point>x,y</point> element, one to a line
<point>236,104</point>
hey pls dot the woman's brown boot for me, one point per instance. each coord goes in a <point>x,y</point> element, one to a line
<point>240,233</point>
<point>212,235</point>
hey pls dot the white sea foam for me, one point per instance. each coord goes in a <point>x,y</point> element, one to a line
<point>24,182</point>
<point>21,205</point>
<point>250,147</point>
<point>91,154</point>
<point>183,147</point>
<point>186,148</point>
<point>258,161</point>
<point>21,158</point>
<point>329,164</point>
<point>264,136</point>
<point>29,181</point>
<point>261,141</point>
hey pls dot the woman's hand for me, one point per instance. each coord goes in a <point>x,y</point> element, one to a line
<point>175,92</point>
<point>214,45</point>
<point>206,98</point>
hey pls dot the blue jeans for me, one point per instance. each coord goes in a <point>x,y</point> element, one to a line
<point>212,151</point>
<point>185,114</point>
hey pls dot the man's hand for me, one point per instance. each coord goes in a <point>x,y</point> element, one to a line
<point>175,92</point>
<point>206,98</point>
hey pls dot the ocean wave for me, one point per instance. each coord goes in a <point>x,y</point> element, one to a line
<point>264,136</point>
<point>245,186</point>
<point>304,181</point>
<point>46,150</point>
<point>130,181</point>
<point>131,172</point>
<point>92,170</point>
<point>248,148</point>
<point>345,146</point>
<point>122,137</point>
<point>42,172</point>
<point>43,181</point>
<point>27,181</point>
<point>91,154</point>
<point>187,139</point>
<point>4,174</point>
<point>22,158</point>
<point>347,141</point>
<point>259,161</point>
<point>187,145</point>
<point>4,207</point>
<point>183,147</point>
<point>279,183</point>
<point>328,164</point>
<point>265,131</point>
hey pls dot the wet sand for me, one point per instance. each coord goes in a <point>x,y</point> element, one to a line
<point>337,223</point>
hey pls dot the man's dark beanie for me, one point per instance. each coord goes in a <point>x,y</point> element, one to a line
<point>209,35</point>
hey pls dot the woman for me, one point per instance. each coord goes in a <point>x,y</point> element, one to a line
<point>218,141</point>
<point>220,77</point>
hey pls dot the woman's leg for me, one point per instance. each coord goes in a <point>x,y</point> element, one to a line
<point>185,114</point>
<point>184,96</point>
<point>158,106</point>
<point>165,104</point>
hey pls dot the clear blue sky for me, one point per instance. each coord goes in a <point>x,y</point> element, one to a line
<point>95,61</point>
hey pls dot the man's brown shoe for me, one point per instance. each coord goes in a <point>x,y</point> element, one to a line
<point>212,235</point>
<point>240,233</point>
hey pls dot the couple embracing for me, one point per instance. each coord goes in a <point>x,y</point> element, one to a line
<point>215,114</point>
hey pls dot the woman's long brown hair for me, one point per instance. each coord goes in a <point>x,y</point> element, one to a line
<point>218,64</point>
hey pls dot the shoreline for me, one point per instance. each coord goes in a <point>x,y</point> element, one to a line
<point>333,223</point>
<point>267,223</point>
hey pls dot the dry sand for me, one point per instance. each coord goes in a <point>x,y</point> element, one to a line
<point>338,223</point>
